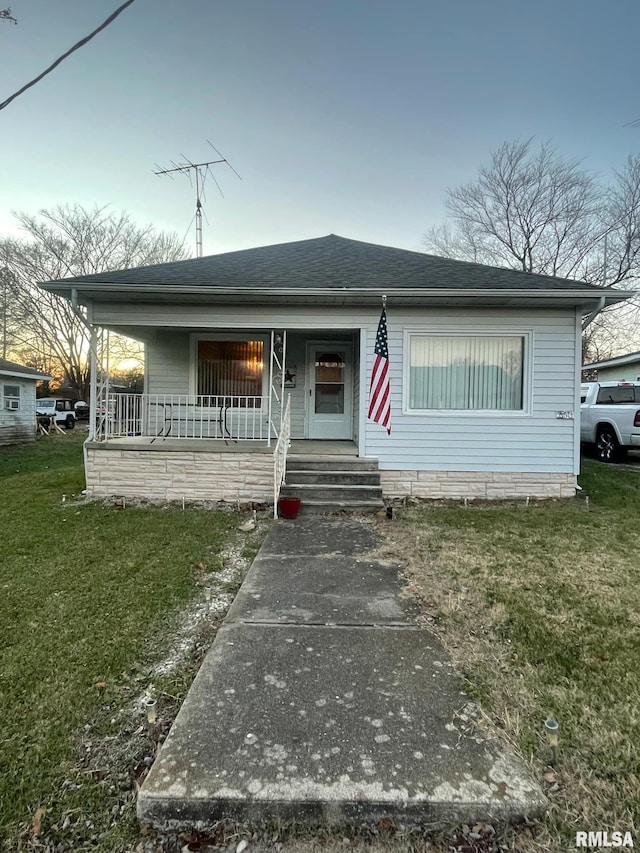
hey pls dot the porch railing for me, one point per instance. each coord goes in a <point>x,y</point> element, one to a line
<point>280,455</point>
<point>161,416</point>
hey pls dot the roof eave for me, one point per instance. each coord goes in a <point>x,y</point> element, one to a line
<point>616,361</point>
<point>366,294</point>
<point>17,375</point>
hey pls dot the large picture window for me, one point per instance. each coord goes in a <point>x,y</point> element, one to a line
<point>466,372</point>
<point>228,368</point>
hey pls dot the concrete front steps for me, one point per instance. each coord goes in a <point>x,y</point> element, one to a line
<point>332,483</point>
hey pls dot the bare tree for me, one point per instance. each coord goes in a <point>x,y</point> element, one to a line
<point>70,241</point>
<point>531,210</point>
<point>9,315</point>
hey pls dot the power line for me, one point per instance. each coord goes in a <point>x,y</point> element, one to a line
<point>60,59</point>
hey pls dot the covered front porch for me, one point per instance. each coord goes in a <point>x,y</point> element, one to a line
<point>222,410</point>
<point>233,387</point>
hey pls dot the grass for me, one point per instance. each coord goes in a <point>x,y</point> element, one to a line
<point>86,593</point>
<point>540,608</point>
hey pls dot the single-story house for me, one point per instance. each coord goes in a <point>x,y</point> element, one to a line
<point>251,354</point>
<point>621,368</point>
<point>18,412</point>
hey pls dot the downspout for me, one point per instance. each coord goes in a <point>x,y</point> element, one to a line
<point>591,317</point>
<point>601,304</point>
<point>576,394</point>
<point>585,325</point>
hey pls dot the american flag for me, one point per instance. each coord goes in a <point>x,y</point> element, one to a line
<point>379,402</point>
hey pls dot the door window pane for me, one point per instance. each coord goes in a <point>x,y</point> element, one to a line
<point>329,397</point>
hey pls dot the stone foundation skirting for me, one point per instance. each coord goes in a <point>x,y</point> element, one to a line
<point>483,485</point>
<point>160,475</point>
<point>173,475</point>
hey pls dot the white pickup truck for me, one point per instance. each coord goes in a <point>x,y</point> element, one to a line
<point>610,418</point>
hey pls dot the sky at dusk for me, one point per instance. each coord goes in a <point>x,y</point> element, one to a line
<point>351,117</point>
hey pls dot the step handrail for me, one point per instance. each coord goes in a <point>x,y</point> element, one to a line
<point>280,455</point>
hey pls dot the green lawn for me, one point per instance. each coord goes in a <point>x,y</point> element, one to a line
<point>84,590</point>
<point>540,608</point>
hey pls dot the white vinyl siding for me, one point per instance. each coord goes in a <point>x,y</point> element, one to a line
<point>295,361</point>
<point>533,440</point>
<point>167,363</point>
<point>181,317</point>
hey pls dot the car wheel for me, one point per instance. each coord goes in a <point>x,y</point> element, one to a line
<point>607,447</point>
<point>70,422</point>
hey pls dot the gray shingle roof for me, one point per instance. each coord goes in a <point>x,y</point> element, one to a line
<point>12,368</point>
<point>333,263</point>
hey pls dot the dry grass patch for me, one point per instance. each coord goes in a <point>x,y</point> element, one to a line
<point>539,608</point>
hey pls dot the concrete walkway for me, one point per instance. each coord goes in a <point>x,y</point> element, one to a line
<point>322,701</point>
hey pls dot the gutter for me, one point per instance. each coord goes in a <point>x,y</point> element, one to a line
<point>374,294</point>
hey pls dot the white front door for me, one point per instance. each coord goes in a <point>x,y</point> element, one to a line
<point>330,390</point>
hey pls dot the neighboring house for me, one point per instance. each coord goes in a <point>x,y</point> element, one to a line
<point>621,368</point>
<point>18,400</point>
<point>484,367</point>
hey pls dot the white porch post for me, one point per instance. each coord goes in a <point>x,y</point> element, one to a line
<point>277,379</point>
<point>270,414</point>
<point>100,385</point>
<point>283,371</point>
<point>93,380</point>
<point>364,394</point>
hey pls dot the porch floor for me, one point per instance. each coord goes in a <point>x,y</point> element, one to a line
<point>299,446</point>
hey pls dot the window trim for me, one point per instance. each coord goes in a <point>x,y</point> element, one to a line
<point>228,336</point>
<point>471,332</point>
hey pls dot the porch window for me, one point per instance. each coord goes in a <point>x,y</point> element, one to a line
<point>471,373</point>
<point>229,369</point>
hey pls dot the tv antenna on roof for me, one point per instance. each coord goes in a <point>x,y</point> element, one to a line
<point>201,171</point>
